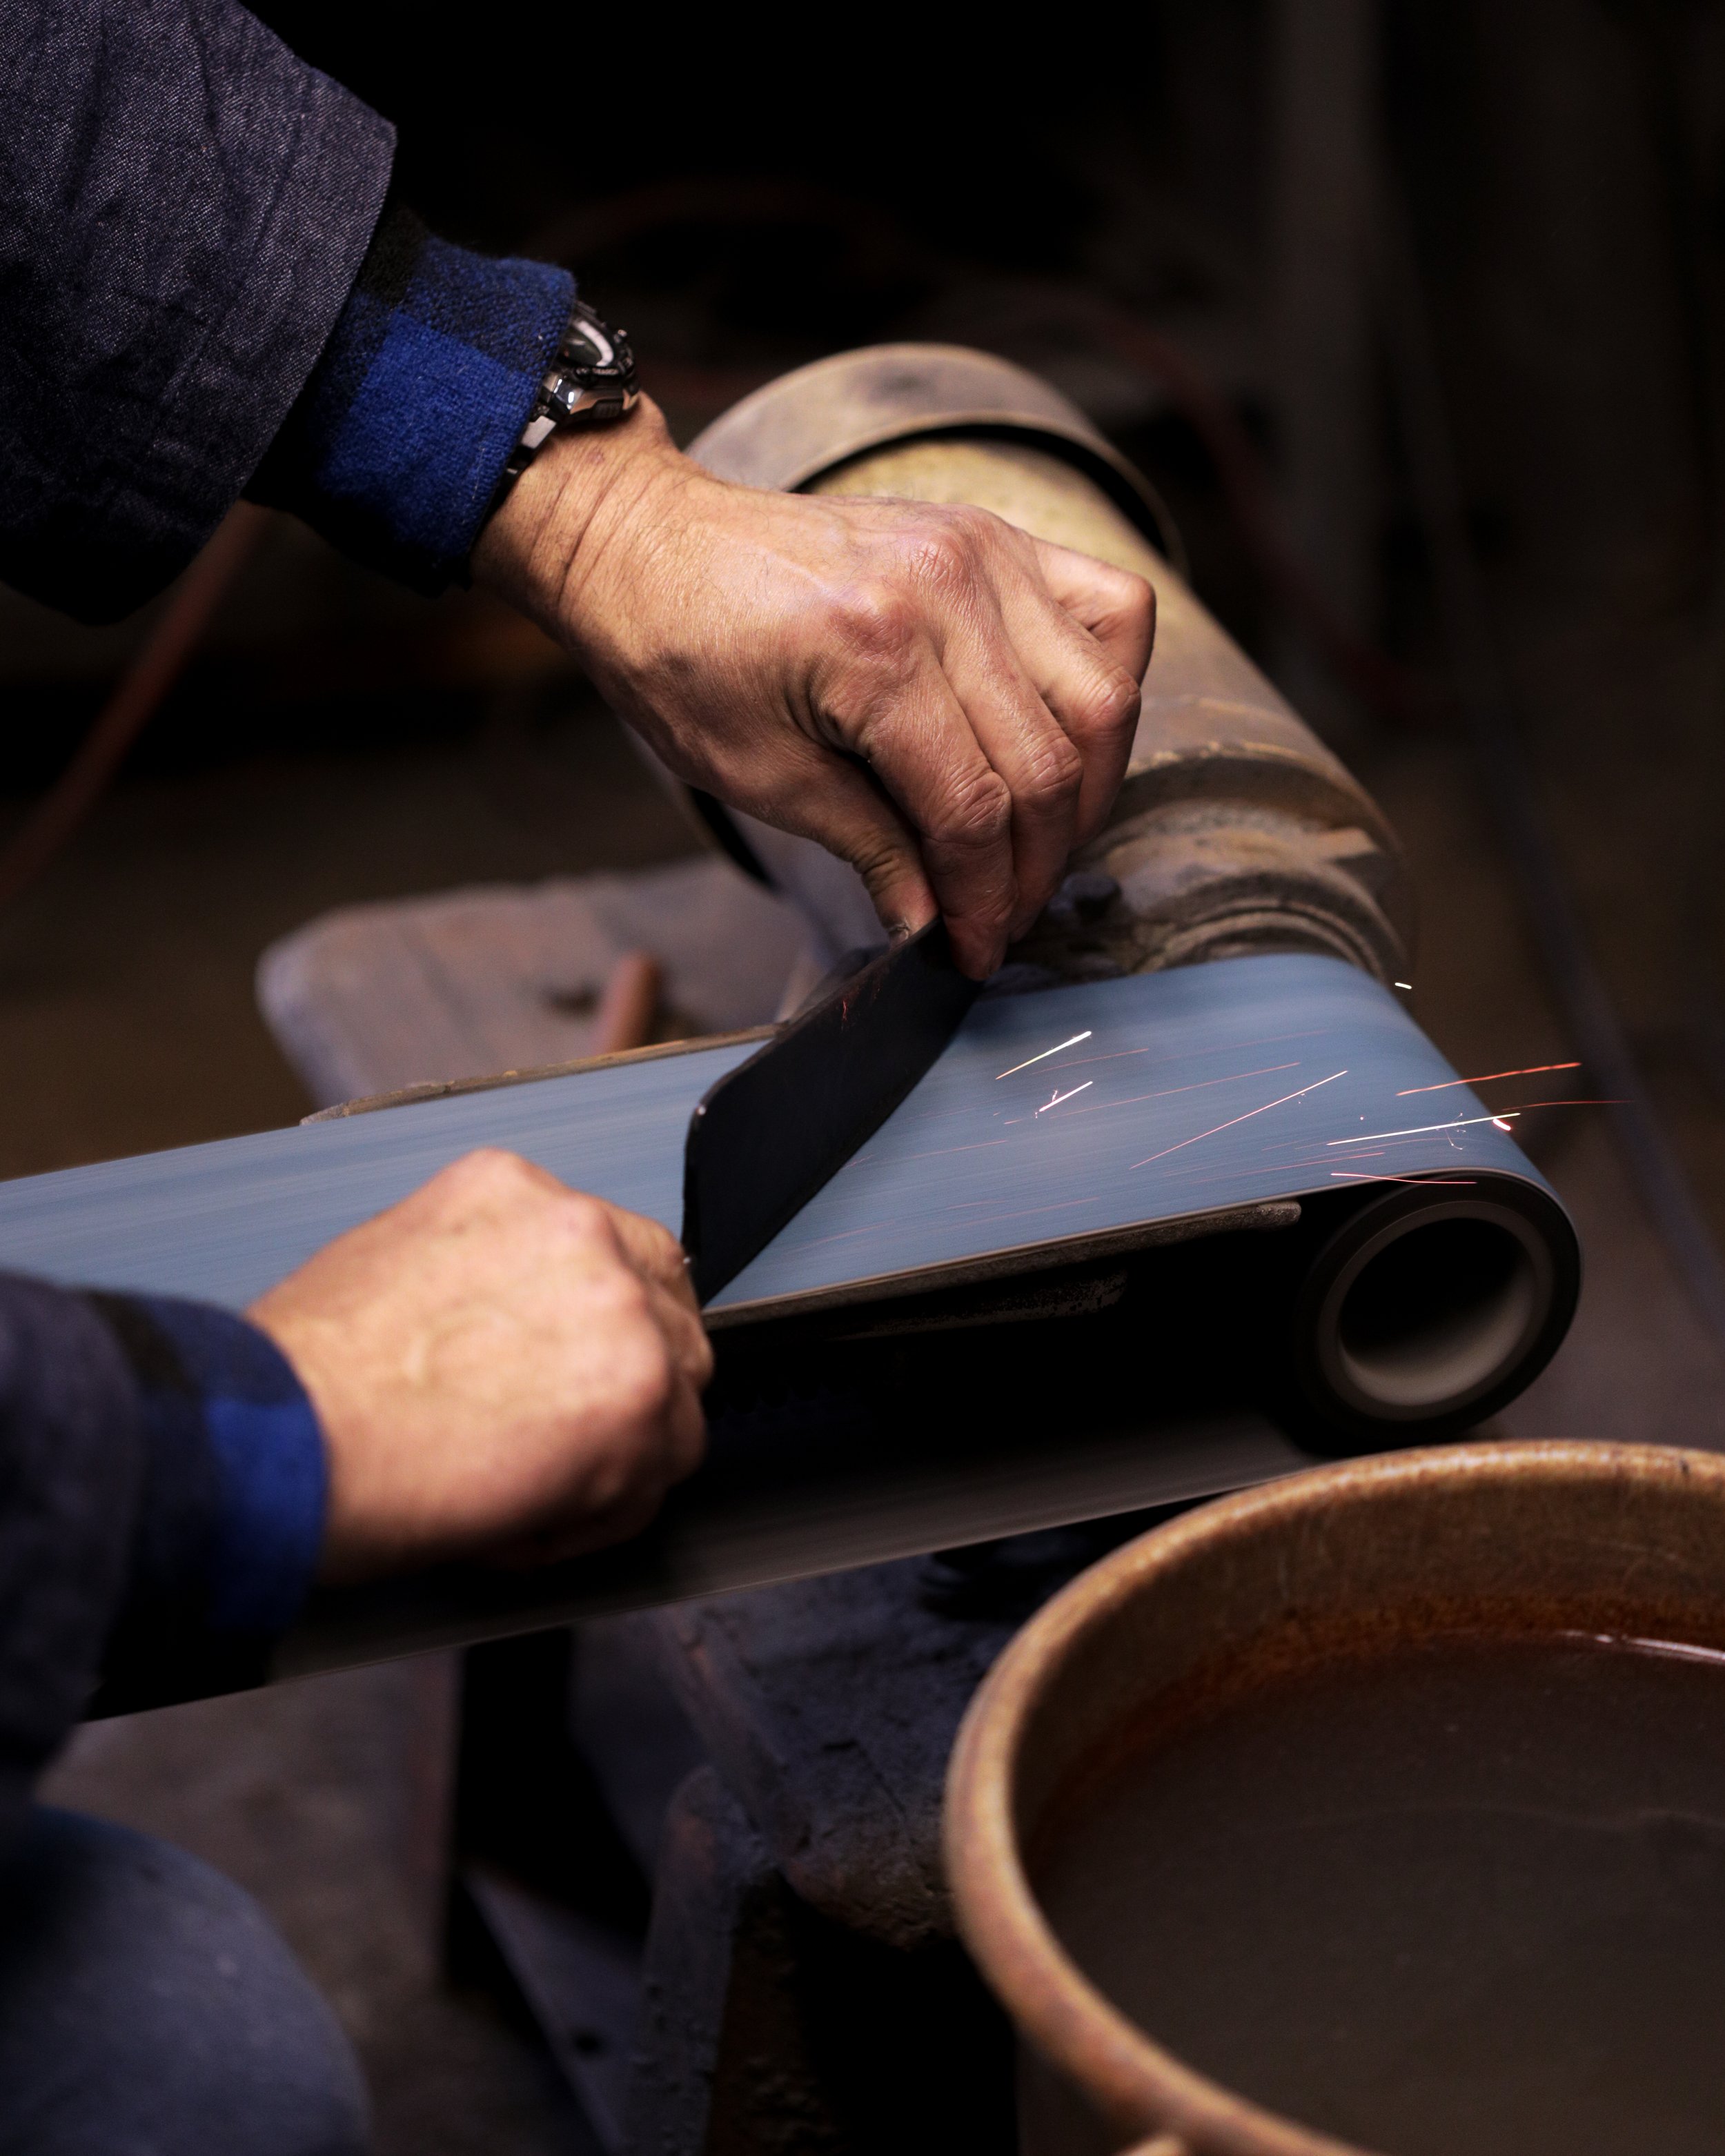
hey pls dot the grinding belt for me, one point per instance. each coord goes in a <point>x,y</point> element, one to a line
<point>1065,1278</point>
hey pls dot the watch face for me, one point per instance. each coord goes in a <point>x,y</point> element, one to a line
<point>587,344</point>
<point>592,348</point>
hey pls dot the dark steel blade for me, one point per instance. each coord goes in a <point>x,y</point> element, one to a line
<point>771,1132</point>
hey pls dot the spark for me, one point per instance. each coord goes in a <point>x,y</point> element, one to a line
<point>1028,1213</point>
<point>1408,985</point>
<point>939,1152</point>
<point>1419,1130</point>
<point>1197,1086</point>
<point>1526,1105</point>
<point>1059,1097</point>
<point>1043,1057</point>
<point>1532,1071</point>
<point>1208,1177</point>
<point>1419,1182</point>
<point>1264,1041</point>
<point>845,1235</point>
<point>1245,1118</point>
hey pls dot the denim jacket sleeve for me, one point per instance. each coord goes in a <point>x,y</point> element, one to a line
<point>162,1484</point>
<point>184,207</point>
<point>201,293</point>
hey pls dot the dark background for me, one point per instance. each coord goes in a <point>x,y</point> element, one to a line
<point>1264,184</point>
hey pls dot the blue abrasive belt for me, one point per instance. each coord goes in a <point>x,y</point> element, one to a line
<point>1170,1102</point>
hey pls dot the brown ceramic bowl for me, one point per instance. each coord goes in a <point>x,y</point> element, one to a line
<point>1568,1537</point>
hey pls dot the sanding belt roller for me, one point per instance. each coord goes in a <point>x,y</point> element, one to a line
<point>1149,1228</point>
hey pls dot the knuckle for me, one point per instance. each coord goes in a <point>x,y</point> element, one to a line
<point>587,1218</point>
<point>1108,701</point>
<point>876,623</point>
<point>618,1477</point>
<point>688,1447</point>
<point>946,549</point>
<point>488,1166</point>
<point>701,1357</point>
<point>609,1332</point>
<point>1134,593</point>
<point>649,1388</point>
<point>628,1306</point>
<point>943,544</point>
<point>880,860</point>
<point>968,528</point>
<point>641,1389</point>
<point>975,811</point>
<point>666,1252</point>
<point>487,1182</point>
<point>1055,773</point>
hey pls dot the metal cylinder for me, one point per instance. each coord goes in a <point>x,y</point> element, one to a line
<point>1236,829</point>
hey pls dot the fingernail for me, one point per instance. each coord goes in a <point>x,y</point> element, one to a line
<point>899,931</point>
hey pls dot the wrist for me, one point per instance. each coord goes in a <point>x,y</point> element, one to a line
<point>330,1365</point>
<point>538,549</point>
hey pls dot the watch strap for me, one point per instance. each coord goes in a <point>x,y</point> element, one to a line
<point>591,381</point>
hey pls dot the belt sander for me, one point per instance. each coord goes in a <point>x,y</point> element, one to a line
<point>1145,1230</point>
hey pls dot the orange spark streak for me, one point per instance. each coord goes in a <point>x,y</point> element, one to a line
<point>844,1235</point>
<point>1568,1104</point>
<point>939,1152</point>
<point>1245,1118</point>
<point>1532,1071</point>
<point>1272,1180</point>
<point>1029,1213</point>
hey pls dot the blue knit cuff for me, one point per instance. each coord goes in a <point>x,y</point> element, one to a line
<point>395,447</point>
<point>269,1526</point>
<point>222,1407</point>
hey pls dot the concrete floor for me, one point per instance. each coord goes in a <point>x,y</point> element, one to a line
<point>126,1023</point>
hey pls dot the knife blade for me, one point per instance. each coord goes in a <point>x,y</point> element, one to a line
<point>770,1133</point>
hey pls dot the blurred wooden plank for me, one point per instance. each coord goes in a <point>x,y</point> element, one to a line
<point>373,999</point>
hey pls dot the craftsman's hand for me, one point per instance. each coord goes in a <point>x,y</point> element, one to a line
<point>502,1368</point>
<point>943,701</point>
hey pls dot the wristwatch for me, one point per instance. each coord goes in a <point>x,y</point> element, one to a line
<point>591,383</point>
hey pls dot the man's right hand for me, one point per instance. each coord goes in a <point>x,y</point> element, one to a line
<point>503,1368</point>
<point>937,697</point>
